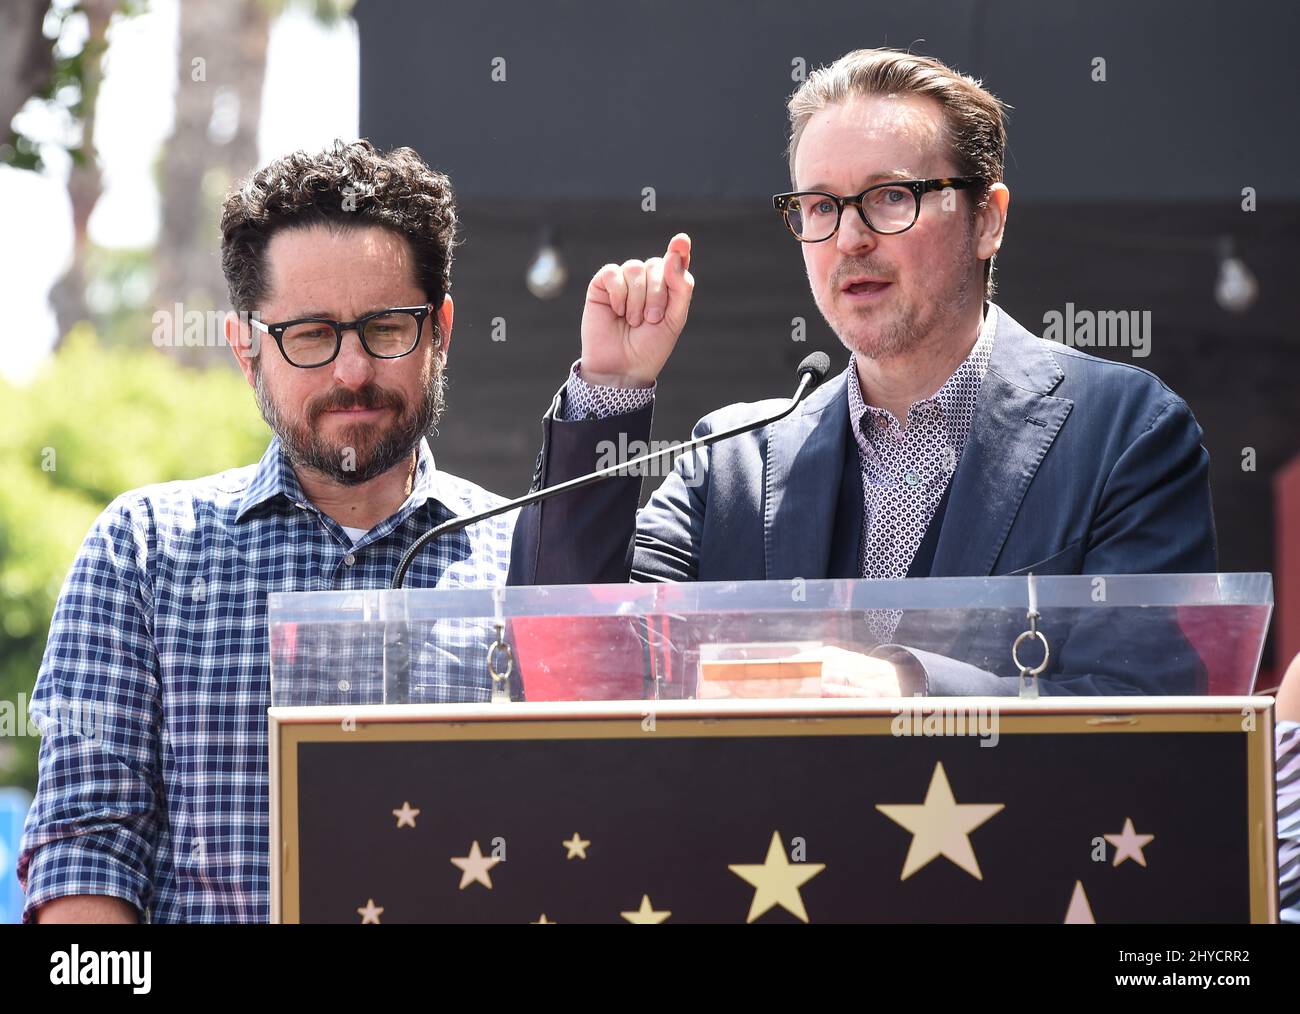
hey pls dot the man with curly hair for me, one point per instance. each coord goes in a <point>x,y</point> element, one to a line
<point>338,265</point>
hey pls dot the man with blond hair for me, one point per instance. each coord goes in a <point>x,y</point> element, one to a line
<point>955,442</point>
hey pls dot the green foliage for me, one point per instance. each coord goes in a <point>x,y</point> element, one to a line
<point>96,422</point>
<point>122,282</point>
<point>69,92</point>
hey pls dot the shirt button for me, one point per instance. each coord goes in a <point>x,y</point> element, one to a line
<point>350,559</point>
<point>912,479</point>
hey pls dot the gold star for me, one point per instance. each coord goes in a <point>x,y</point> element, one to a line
<point>371,913</point>
<point>940,826</point>
<point>1129,844</point>
<point>645,915</point>
<point>1080,911</point>
<point>406,816</point>
<point>777,881</point>
<point>543,921</point>
<point>576,846</point>
<point>474,867</point>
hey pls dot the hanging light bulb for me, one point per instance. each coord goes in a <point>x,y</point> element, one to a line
<point>1236,288</point>
<point>547,273</point>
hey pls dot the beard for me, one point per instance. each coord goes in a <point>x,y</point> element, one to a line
<point>906,326</point>
<point>373,451</point>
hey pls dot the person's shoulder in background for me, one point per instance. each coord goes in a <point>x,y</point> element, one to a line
<point>1288,794</point>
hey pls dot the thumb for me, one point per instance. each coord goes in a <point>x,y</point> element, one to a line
<point>680,245</point>
<point>680,286</point>
<point>676,276</point>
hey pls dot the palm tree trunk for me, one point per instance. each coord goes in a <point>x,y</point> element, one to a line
<point>85,182</point>
<point>222,61</point>
<point>26,56</point>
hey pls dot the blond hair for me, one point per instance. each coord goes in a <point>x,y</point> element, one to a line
<point>974,118</point>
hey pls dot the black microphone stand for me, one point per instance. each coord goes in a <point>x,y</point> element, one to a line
<point>812,371</point>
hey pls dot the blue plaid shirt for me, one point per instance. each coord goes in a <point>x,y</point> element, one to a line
<point>153,690</point>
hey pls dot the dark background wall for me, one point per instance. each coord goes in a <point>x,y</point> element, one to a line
<point>688,95</point>
<point>1120,192</point>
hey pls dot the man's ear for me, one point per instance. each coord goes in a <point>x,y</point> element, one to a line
<point>245,343</point>
<point>444,317</point>
<point>991,221</point>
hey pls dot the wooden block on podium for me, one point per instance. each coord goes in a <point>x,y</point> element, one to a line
<point>760,671</point>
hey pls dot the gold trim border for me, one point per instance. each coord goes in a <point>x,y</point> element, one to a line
<point>290,727</point>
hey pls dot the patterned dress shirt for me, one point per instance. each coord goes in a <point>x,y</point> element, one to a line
<point>905,472</point>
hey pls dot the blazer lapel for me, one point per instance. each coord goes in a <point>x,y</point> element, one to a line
<point>805,460</point>
<point>1015,422</point>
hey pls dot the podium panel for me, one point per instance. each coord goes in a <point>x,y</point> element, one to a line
<point>1106,809</point>
<point>1091,635</point>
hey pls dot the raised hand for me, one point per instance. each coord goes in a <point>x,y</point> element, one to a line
<point>633,316</point>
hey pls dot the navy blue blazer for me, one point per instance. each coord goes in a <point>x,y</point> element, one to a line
<point>1074,465</point>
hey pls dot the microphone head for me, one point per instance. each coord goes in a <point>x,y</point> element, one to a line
<point>817,365</point>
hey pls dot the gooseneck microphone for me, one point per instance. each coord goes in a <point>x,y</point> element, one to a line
<point>812,371</point>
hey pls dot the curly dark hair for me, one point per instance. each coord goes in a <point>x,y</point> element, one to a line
<point>347,185</point>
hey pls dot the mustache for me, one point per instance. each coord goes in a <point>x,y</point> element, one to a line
<point>849,268</point>
<point>370,396</point>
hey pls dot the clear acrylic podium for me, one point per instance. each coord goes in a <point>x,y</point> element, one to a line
<point>1091,742</point>
<point>1134,634</point>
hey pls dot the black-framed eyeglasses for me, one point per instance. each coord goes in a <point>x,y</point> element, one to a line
<point>309,342</point>
<point>813,216</point>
